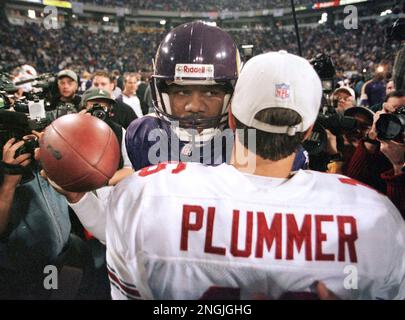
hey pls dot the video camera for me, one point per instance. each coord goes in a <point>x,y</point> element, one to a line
<point>391,126</point>
<point>44,86</point>
<point>32,112</point>
<point>325,69</point>
<point>328,118</point>
<point>36,103</point>
<point>17,125</point>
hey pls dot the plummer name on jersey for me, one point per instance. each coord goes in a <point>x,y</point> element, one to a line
<point>270,230</point>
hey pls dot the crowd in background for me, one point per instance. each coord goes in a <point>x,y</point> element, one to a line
<point>358,51</point>
<point>77,48</point>
<point>207,5</point>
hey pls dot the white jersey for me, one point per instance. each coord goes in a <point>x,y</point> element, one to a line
<point>188,231</point>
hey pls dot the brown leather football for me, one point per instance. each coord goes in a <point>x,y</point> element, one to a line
<point>79,152</point>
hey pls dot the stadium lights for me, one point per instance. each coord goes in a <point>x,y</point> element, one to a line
<point>162,22</point>
<point>106,19</point>
<point>380,69</point>
<point>386,12</point>
<point>31,14</point>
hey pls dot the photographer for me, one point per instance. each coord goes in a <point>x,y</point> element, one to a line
<point>67,83</point>
<point>345,98</point>
<point>379,162</point>
<point>98,102</point>
<point>123,113</point>
<point>34,220</point>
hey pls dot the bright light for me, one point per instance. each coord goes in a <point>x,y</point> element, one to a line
<point>31,14</point>
<point>364,70</point>
<point>106,19</point>
<point>324,18</point>
<point>380,69</point>
<point>73,16</point>
<point>247,46</point>
<point>386,12</point>
<point>162,22</point>
<point>212,23</point>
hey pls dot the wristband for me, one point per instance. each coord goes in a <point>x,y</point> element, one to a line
<point>11,169</point>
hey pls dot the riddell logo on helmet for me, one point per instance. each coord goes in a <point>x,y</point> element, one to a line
<point>191,69</point>
<point>194,70</point>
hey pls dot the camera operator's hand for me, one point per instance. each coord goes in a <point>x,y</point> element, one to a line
<point>23,160</point>
<point>395,152</point>
<point>372,133</point>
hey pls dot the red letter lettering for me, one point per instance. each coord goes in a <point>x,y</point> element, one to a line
<point>298,236</point>
<point>264,233</point>
<point>348,238</point>
<point>235,232</point>
<point>209,248</point>
<point>152,169</point>
<point>186,225</point>
<point>180,167</point>
<point>321,237</point>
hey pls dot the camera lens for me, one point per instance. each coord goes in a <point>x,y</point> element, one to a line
<point>390,126</point>
<point>99,114</point>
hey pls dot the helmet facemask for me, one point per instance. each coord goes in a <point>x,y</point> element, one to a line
<point>195,128</point>
<point>195,53</point>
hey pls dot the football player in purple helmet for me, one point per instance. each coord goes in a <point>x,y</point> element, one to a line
<point>195,71</point>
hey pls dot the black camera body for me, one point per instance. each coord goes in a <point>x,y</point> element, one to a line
<point>325,69</point>
<point>17,125</point>
<point>29,146</point>
<point>391,126</point>
<point>98,111</point>
<point>336,123</point>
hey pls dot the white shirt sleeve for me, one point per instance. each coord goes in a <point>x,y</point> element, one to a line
<point>91,211</point>
<point>127,162</point>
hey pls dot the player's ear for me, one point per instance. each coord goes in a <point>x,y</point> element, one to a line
<point>231,119</point>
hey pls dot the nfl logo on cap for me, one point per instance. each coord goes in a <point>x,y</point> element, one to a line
<point>282,91</point>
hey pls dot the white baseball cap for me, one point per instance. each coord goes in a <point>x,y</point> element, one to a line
<point>348,90</point>
<point>277,80</point>
<point>68,73</point>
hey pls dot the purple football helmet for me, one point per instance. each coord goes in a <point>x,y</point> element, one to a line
<point>195,53</point>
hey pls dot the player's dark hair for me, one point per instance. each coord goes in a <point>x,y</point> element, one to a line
<point>273,146</point>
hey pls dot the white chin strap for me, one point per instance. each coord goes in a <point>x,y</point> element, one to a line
<point>192,135</point>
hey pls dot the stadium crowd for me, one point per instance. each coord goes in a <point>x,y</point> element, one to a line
<point>101,72</point>
<point>81,49</point>
<point>204,6</point>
